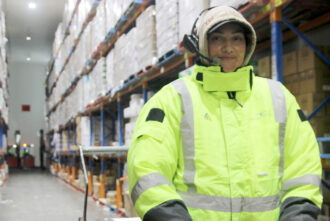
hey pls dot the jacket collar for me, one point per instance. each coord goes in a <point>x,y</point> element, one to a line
<point>213,79</point>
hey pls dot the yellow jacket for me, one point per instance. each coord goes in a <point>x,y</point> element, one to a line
<point>225,146</point>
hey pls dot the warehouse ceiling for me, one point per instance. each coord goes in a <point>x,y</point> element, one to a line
<point>39,23</point>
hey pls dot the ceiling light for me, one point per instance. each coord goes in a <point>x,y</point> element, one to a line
<point>28,38</point>
<point>28,59</point>
<point>32,5</point>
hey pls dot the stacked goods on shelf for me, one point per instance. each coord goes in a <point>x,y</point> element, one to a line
<point>111,197</point>
<point>97,81</point>
<point>3,70</point>
<point>125,54</point>
<point>96,186</point>
<point>131,112</point>
<point>146,38</point>
<point>167,26</point>
<point>308,78</point>
<point>97,131</point>
<point>109,70</point>
<point>264,67</point>
<point>290,72</point>
<point>83,131</point>
<point>189,10</point>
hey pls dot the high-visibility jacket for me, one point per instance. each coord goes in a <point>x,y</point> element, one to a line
<point>229,146</point>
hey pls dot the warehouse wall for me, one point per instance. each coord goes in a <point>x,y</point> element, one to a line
<point>26,86</point>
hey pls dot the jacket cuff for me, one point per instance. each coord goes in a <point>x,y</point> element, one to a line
<point>298,209</point>
<point>173,210</point>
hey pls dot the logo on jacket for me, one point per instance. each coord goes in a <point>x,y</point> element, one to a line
<point>207,117</point>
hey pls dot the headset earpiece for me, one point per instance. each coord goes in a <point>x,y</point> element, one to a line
<point>190,43</point>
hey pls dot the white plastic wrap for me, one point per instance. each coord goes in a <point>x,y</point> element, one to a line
<point>189,11</point>
<point>110,69</point>
<point>167,19</point>
<point>146,45</point>
<point>131,112</point>
<point>125,62</point>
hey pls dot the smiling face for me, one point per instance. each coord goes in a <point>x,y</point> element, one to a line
<point>228,44</point>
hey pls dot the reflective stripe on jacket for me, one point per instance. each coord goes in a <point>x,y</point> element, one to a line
<point>225,161</point>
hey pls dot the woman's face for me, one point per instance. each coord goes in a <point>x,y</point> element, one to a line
<point>228,45</point>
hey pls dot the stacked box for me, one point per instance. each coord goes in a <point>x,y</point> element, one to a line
<point>97,131</point>
<point>58,38</point>
<point>113,11</point>
<point>111,197</point>
<point>146,38</point>
<point>290,64</point>
<point>83,131</point>
<point>264,67</point>
<point>307,59</point>
<point>131,112</point>
<point>109,67</point>
<point>167,26</point>
<point>189,11</point>
<point>123,55</point>
<point>98,23</point>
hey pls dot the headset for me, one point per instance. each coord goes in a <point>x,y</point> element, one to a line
<point>190,42</point>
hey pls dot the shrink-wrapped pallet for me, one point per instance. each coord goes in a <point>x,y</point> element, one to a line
<point>167,18</point>
<point>131,112</point>
<point>125,54</point>
<point>189,11</point>
<point>119,60</point>
<point>109,67</point>
<point>146,45</point>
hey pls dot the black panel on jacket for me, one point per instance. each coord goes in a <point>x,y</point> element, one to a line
<point>299,209</point>
<point>156,114</point>
<point>172,210</point>
<point>302,115</point>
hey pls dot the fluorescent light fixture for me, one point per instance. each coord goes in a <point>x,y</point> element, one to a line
<point>28,59</point>
<point>28,38</point>
<point>32,5</point>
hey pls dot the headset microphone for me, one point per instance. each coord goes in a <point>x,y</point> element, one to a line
<point>191,45</point>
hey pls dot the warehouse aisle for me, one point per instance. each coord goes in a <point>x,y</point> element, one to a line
<point>35,195</point>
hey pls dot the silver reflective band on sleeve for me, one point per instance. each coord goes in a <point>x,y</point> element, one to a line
<point>227,204</point>
<point>281,140</point>
<point>279,102</point>
<point>279,105</point>
<point>146,182</point>
<point>187,134</point>
<point>308,179</point>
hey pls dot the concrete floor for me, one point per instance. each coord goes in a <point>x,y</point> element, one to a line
<point>33,195</point>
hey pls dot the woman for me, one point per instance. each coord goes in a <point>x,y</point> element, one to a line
<point>223,144</point>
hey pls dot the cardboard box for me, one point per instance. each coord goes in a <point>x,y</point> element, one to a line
<point>308,102</point>
<point>307,59</point>
<point>290,63</point>
<point>314,80</point>
<point>321,126</point>
<point>292,83</point>
<point>326,193</point>
<point>264,67</point>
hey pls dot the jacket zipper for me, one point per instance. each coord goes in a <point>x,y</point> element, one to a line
<point>232,95</point>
